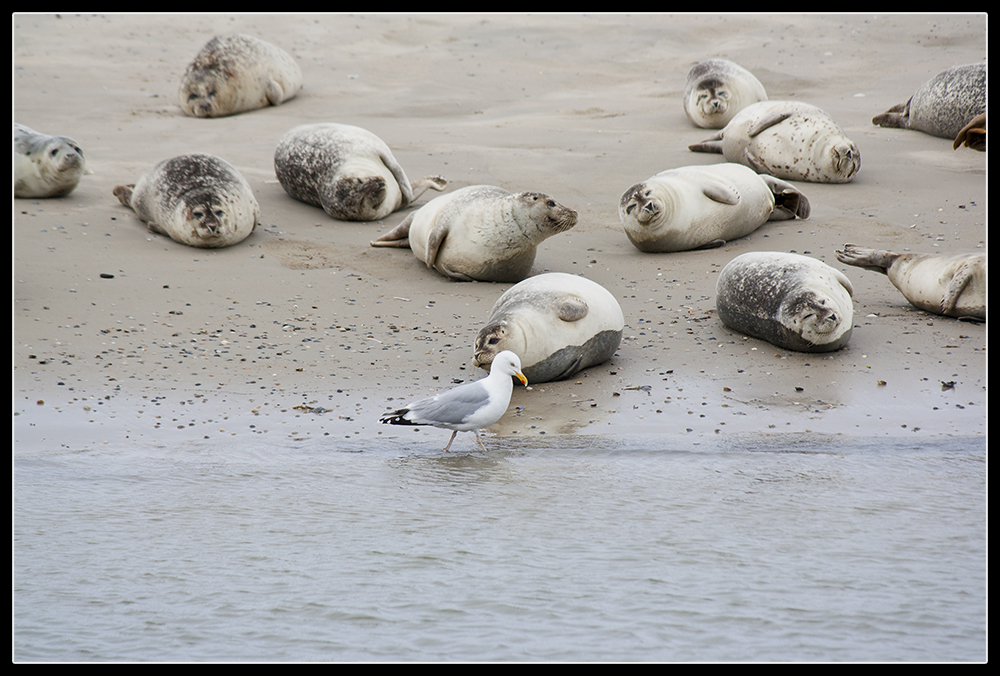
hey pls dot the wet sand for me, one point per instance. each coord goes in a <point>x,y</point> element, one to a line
<point>305,332</point>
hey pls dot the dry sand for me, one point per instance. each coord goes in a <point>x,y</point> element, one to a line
<point>304,332</point>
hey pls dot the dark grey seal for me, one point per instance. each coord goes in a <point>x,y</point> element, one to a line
<point>347,171</point>
<point>792,301</point>
<point>197,199</point>
<point>943,105</point>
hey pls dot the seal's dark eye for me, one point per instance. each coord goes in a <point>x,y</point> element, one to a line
<point>192,97</point>
<point>219,213</point>
<point>493,341</point>
<point>550,203</point>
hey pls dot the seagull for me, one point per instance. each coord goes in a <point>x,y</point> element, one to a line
<point>468,407</point>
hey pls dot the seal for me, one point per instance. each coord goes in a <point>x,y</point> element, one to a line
<point>717,89</point>
<point>559,324</point>
<point>237,73</point>
<point>45,166</point>
<point>792,301</point>
<point>943,105</point>
<point>481,232</point>
<point>953,286</point>
<point>787,139</point>
<point>197,199</point>
<point>347,171</point>
<point>972,135</point>
<point>705,206</point>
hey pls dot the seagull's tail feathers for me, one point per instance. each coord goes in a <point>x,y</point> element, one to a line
<point>397,418</point>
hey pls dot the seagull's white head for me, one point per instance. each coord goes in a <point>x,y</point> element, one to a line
<point>508,363</point>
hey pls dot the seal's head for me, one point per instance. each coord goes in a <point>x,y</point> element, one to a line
<point>355,198</point>
<point>549,216</point>
<point>201,93</point>
<point>845,159</point>
<point>642,204</point>
<point>493,339</point>
<point>712,97</point>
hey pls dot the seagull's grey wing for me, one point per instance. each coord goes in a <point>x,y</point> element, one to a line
<point>452,407</point>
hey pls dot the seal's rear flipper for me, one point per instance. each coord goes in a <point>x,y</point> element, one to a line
<point>398,236</point>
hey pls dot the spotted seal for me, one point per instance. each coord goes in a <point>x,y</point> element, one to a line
<point>787,139</point>
<point>705,206</point>
<point>717,89</point>
<point>347,171</point>
<point>45,166</point>
<point>197,199</point>
<point>942,105</point>
<point>481,232</point>
<point>954,286</point>
<point>789,300</point>
<point>237,73</point>
<point>559,324</point>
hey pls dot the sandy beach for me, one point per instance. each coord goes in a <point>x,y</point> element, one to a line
<point>305,332</point>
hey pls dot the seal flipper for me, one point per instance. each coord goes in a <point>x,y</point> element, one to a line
<point>788,201</point>
<point>572,309</point>
<point>418,188</point>
<point>398,236</point>
<point>571,370</point>
<point>274,93</point>
<point>955,288</point>
<point>897,117</point>
<point>754,162</point>
<point>723,193</point>
<point>124,194</point>
<point>767,122</point>
<point>709,145</point>
<point>434,241</point>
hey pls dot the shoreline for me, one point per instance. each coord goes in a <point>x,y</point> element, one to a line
<point>176,344</point>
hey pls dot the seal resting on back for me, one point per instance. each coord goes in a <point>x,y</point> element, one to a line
<point>198,199</point>
<point>481,232</point>
<point>558,323</point>
<point>789,300</point>
<point>717,89</point>
<point>347,171</point>
<point>236,73</point>
<point>45,166</point>
<point>787,139</point>
<point>954,286</point>
<point>705,206</point>
<point>943,105</point>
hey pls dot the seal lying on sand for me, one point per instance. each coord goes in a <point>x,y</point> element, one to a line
<point>787,139</point>
<point>236,73</point>
<point>954,286</point>
<point>481,232</point>
<point>558,323</point>
<point>198,199</point>
<point>789,300</point>
<point>45,166</point>
<point>705,206</point>
<point>717,89</point>
<point>942,105</point>
<point>348,171</point>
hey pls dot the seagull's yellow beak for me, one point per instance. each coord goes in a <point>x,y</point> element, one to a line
<point>520,376</point>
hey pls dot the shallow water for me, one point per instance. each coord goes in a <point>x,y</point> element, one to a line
<point>579,549</point>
